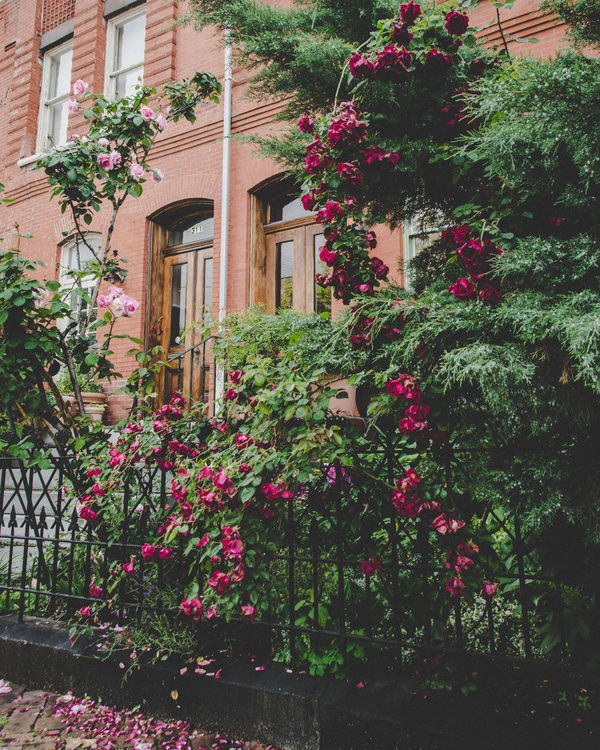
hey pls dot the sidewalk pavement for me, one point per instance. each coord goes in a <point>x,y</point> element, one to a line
<point>38,720</point>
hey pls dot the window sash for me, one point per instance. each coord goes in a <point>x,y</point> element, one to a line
<point>116,40</point>
<point>55,93</point>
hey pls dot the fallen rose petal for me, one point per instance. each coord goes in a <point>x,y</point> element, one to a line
<point>258,669</point>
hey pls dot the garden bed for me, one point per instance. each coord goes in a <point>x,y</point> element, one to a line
<point>515,704</point>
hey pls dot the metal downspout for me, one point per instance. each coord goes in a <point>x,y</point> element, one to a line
<point>224,246</point>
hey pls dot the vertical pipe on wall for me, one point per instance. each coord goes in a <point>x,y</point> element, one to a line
<point>224,247</point>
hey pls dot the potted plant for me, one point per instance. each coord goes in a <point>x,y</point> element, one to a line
<point>92,394</point>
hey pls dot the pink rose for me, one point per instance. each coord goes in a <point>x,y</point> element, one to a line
<point>104,300</point>
<point>130,305</point>
<point>116,306</point>
<point>222,482</point>
<point>192,607</point>
<point>115,159</point>
<point>104,162</point>
<point>220,582</point>
<point>211,612</point>
<point>72,107</point>
<point>161,122</point>
<point>488,590</point>
<point>80,87</point>
<point>455,586</point>
<point>148,551</point>
<point>249,613</point>
<point>103,141</point>
<point>157,176</point>
<point>136,171</point>
<point>128,567</point>
<point>446,524</point>
<point>146,113</point>
<point>85,612</point>
<point>166,553</point>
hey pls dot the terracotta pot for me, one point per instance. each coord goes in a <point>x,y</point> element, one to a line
<point>93,403</point>
<point>345,407</point>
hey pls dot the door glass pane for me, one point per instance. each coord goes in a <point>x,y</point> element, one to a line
<point>322,294</point>
<point>285,274</point>
<point>178,297</point>
<point>286,209</point>
<point>208,280</point>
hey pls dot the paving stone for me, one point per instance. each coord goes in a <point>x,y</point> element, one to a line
<point>46,722</point>
<point>20,722</point>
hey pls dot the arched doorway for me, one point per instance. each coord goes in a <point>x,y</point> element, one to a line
<point>180,295</point>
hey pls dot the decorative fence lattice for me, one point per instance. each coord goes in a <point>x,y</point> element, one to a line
<point>327,601</point>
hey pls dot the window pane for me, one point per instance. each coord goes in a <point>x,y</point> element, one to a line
<point>178,297</point>
<point>131,37</point>
<point>208,281</point>
<point>322,294</point>
<point>421,241</point>
<point>57,125</point>
<point>60,74</point>
<point>125,83</point>
<point>191,230</point>
<point>285,274</point>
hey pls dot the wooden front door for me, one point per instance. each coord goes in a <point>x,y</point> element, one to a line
<point>186,302</point>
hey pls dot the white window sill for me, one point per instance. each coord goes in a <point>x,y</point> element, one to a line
<point>27,160</point>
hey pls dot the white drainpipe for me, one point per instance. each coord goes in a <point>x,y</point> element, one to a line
<point>220,384</point>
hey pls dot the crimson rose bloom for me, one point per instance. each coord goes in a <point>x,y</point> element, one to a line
<point>462,288</point>
<point>306,125</point>
<point>327,256</point>
<point>456,23</point>
<point>477,67</point>
<point>437,62</point>
<point>401,34</point>
<point>360,67</point>
<point>489,293</point>
<point>409,13</point>
<point>369,567</point>
<point>455,586</point>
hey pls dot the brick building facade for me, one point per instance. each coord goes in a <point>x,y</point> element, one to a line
<point>171,236</point>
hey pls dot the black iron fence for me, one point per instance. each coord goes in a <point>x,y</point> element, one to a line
<point>328,602</point>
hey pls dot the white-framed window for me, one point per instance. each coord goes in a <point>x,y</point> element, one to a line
<point>75,258</point>
<point>415,238</point>
<point>56,91</point>
<point>125,40</point>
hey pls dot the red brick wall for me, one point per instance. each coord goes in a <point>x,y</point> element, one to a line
<point>189,155</point>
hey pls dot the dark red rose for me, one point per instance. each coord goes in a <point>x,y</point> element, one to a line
<point>477,67</point>
<point>401,34</point>
<point>456,23</point>
<point>437,62</point>
<point>306,125</point>
<point>409,13</point>
<point>489,293</point>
